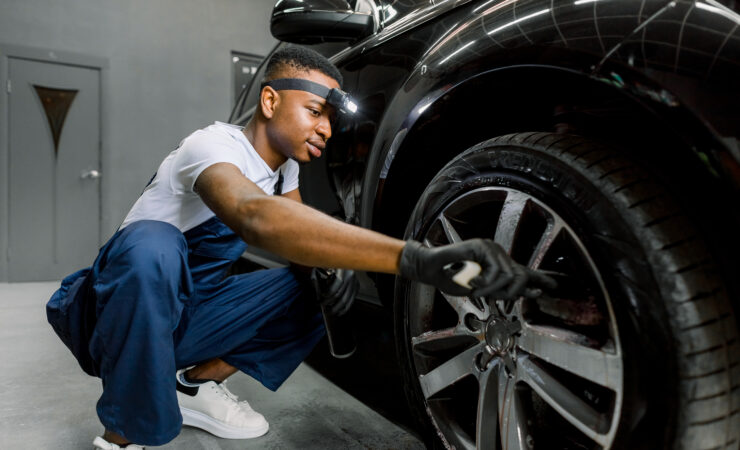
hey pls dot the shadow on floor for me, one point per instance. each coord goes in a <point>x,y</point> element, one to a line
<point>372,374</point>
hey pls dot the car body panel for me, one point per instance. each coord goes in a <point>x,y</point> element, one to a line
<point>679,61</point>
<point>589,39</point>
<point>656,80</point>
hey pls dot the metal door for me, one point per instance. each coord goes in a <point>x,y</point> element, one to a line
<point>54,164</point>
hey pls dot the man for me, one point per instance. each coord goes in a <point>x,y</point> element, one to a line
<point>157,320</point>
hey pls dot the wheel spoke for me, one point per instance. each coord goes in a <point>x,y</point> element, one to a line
<point>449,229</point>
<point>508,221</point>
<point>487,418</point>
<point>514,429</point>
<point>579,413</point>
<point>554,227</point>
<point>557,347</point>
<point>449,372</point>
<point>433,341</point>
<point>464,306</point>
<point>506,394</point>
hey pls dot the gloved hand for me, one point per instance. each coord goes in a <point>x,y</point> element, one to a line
<point>335,289</point>
<point>500,275</point>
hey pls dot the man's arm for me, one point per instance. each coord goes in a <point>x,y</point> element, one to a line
<point>306,236</point>
<point>337,295</point>
<point>290,229</point>
<point>294,195</point>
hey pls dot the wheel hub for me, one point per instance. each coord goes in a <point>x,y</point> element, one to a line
<point>498,336</point>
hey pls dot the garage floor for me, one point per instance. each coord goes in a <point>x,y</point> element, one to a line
<point>46,401</point>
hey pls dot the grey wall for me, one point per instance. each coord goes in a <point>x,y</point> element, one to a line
<point>168,72</point>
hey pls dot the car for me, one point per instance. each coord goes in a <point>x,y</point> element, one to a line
<point>595,139</point>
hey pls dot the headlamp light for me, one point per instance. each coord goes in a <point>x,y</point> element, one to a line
<point>337,98</point>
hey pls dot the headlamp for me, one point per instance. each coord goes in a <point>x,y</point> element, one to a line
<point>337,98</point>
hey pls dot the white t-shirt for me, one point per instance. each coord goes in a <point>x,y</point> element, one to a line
<point>170,197</point>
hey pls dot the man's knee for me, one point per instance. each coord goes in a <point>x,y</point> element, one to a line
<point>146,260</point>
<point>150,244</point>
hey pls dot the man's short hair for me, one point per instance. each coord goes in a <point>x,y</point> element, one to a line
<point>302,59</point>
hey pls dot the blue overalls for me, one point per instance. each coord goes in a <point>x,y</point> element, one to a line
<point>156,300</point>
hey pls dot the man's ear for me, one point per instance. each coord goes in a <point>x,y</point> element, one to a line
<point>269,100</point>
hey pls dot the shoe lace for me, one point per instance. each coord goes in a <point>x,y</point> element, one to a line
<point>233,397</point>
<point>228,393</point>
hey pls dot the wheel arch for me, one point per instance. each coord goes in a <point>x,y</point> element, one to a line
<point>636,117</point>
<point>563,101</point>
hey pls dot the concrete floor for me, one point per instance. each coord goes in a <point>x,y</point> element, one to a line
<point>46,401</point>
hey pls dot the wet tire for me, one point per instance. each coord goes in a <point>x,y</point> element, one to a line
<point>644,294</point>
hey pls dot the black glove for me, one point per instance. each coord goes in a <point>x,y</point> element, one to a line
<point>500,275</point>
<point>335,289</point>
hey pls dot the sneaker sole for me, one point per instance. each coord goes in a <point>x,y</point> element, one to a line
<point>205,422</point>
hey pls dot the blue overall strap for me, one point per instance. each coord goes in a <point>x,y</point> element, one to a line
<point>212,249</point>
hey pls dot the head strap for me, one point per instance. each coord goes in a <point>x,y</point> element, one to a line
<point>335,97</point>
<point>298,84</point>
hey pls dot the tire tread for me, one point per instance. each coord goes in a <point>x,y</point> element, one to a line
<point>698,306</point>
<point>699,312</point>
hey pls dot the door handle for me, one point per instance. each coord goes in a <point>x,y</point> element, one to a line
<point>92,174</point>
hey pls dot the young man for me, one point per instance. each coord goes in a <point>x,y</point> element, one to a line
<point>157,320</point>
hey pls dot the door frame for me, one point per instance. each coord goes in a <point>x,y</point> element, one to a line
<point>8,51</point>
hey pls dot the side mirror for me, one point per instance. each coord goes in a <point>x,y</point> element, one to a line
<point>316,21</point>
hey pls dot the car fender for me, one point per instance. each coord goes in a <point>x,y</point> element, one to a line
<point>455,61</point>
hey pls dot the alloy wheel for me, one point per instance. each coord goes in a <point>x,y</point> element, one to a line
<point>510,375</point>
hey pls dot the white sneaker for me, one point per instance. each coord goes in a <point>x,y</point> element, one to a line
<point>102,444</point>
<point>211,407</point>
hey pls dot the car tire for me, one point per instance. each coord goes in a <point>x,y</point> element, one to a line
<point>639,293</point>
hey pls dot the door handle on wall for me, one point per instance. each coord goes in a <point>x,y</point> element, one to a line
<point>92,174</point>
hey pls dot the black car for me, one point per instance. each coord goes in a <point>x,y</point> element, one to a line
<point>598,139</point>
